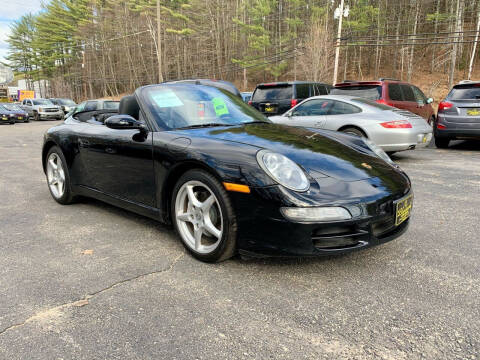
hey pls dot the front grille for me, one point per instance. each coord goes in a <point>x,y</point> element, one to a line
<point>51,110</point>
<point>338,237</point>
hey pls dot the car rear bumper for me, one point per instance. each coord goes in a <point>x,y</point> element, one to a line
<point>458,133</point>
<point>403,139</point>
<point>457,127</point>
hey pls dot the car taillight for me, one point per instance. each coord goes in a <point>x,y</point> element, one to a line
<point>441,127</point>
<point>397,124</point>
<point>384,102</point>
<point>293,103</point>
<point>444,105</point>
<point>250,102</point>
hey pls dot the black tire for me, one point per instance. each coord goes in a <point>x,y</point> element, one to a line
<point>36,116</point>
<point>227,245</point>
<point>67,197</point>
<point>12,122</point>
<point>354,131</point>
<point>442,143</point>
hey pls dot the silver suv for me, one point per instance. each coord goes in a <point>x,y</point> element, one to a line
<point>459,114</point>
<point>42,109</point>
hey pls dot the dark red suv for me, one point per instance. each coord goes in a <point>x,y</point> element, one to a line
<point>391,92</point>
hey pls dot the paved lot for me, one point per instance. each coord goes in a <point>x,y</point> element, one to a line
<point>137,295</point>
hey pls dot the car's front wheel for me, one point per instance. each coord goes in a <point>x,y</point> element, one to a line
<point>58,178</point>
<point>442,143</point>
<point>36,116</point>
<point>354,131</point>
<point>203,216</point>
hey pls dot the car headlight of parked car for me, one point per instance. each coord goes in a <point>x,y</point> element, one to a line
<point>283,170</point>
<point>378,151</point>
<point>40,109</point>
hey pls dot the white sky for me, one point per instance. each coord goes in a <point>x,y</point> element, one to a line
<point>12,10</point>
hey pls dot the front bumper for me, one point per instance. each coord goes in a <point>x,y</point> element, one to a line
<point>263,231</point>
<point>58,115</point>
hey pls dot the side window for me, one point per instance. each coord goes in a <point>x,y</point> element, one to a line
<point>316,107</point>
<point>24,102</point>
<point>394,92</point>
<point>342,108</point>
<point>302,91</point>
<point>29,102</point>
<point>420,98</point>
<point>91,105</point>
<point>408,94</point>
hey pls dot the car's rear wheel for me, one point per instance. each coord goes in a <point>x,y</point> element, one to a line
<point>354,131</point>
<point>442,143</point>
<point>203,216</point>
<point>58,178</point>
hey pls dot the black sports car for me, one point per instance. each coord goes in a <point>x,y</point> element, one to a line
<point>228,179</point>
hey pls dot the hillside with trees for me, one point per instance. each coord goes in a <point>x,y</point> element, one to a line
<point>98,48</point>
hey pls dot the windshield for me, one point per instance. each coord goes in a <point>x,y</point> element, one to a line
<point>111,105</point>
<point>270,93</point>
<point>66,102</point>
<point>180,105</point>
<point>12,107</point>
<point>465,92</point>
<point>372,103</point>
<point>372,92</point>
<point>42,102</point>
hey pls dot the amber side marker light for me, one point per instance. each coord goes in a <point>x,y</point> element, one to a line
<point>237,188</point>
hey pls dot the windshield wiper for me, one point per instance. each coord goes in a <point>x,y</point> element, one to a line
<point>204,126</point>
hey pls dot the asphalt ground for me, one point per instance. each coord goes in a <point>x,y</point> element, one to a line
<point>90,281</point>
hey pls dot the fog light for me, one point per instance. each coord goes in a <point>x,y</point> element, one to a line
<point>316,214</point>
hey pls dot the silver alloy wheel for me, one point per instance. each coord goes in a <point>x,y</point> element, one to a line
<point>55,175</point>
<point>199,217</point>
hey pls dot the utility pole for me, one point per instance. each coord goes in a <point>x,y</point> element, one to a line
<point>337,46</point>
<point>458,28</point>
<point>159,44</point>
<point>472,58</point>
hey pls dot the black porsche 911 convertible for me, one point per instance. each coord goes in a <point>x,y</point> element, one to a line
<point>229,180</point>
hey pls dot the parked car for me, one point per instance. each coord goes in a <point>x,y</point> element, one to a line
<point>390,128</point>
<point>278,97</point>
<point>396,93</point>
<point>42,109</point>
<point>66,104</point>
<point>227,178</point>
<point>247,96</point>
<point>93,105</point>
<point>221,84</point>
<point>12,113</point>
<point>459,114</point>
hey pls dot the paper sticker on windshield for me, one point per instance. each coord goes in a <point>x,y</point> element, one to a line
<point>220,106</point>
<point>166,98</point>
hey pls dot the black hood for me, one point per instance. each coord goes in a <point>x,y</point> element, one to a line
<point>319,153</point>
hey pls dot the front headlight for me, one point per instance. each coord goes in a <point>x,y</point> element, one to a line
<point>379,151</point>
<point>283,170</point>
<point>40,109</point>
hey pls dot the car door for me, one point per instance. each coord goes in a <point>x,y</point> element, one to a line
<point>339,114</point>
<point>409,102</point>
<point>119,162</point>
<point>28,106</point>
<point>422,105</point>
<point>311,113</point>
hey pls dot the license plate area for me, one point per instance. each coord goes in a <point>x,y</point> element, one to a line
<point>473,112</point>
<point>403,209</point>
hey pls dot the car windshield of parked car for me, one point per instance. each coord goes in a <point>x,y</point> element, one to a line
<point>372,92</point>
<point>183,106</point>
<point>272,93</point>
<point>465,92</point>
<point>42,102</point>
<point>12,107</point>
<point>66,102</point>
<point>111,105</point>
<point>372,103</point>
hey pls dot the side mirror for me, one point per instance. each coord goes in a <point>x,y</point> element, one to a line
<point>125,122</point>
<point>429,100</point>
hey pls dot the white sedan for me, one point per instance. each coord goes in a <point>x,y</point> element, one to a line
<point>390,128</point>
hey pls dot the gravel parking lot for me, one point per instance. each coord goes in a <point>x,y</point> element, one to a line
<point>90,281</point>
